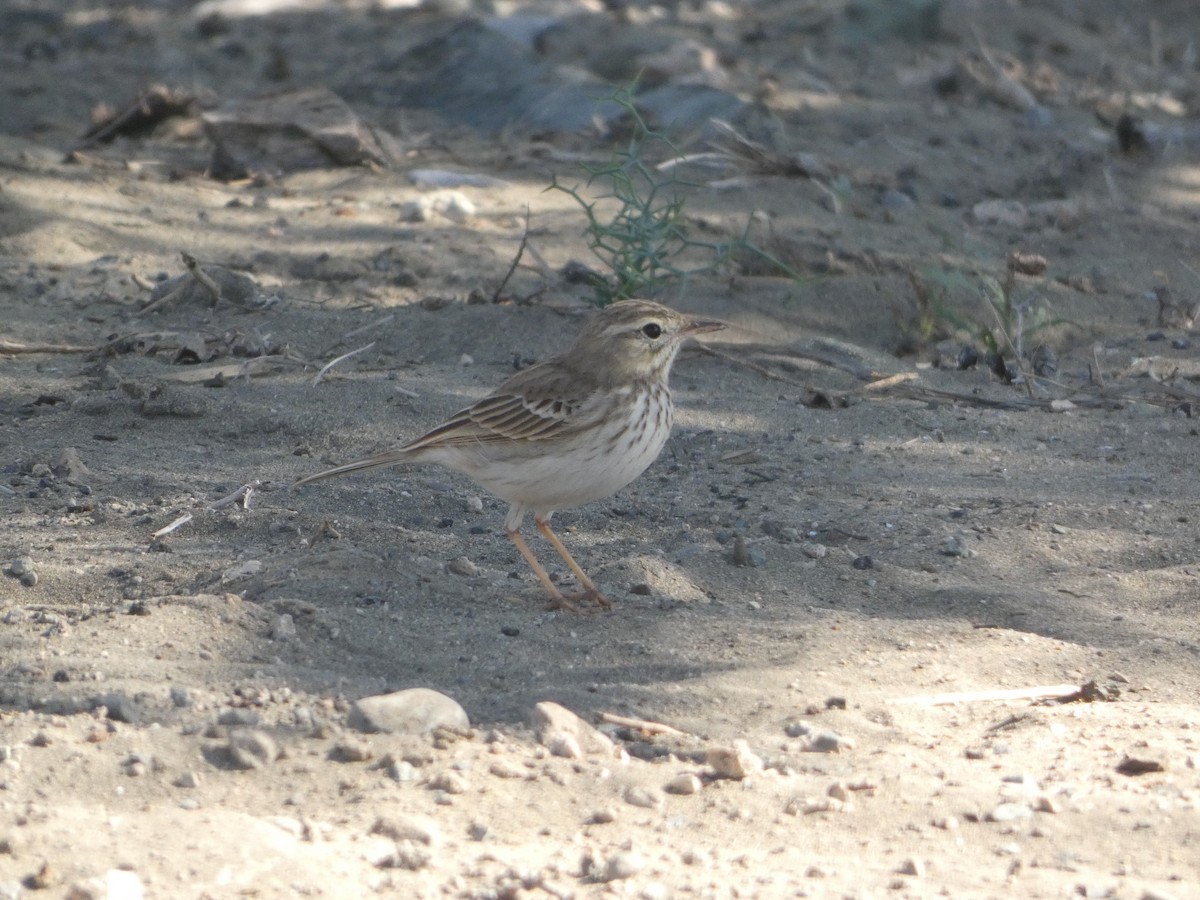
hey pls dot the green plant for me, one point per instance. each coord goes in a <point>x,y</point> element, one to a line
<point>645,244</point>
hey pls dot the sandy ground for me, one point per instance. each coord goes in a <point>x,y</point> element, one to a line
<point>944,532</point>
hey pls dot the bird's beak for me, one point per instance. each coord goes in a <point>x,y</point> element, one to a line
<point>702,326</point>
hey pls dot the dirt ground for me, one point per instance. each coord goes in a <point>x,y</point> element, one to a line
<point>941,532</point>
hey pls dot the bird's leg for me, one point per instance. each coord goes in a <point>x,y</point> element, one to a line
<point>557,600</point>
<point>590,591</point>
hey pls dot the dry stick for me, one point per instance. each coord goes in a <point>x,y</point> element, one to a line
<point>201,276</point>
<point>329,365</point>
<point>166,298</point>
<point>167,529</point>
<point>891,381</point>
<point>516,259</point>
<point>386,320</point>
<point>1045,692</point>
<point>242,494</point>
<point>7,346</point>
<point>752,366</point>
<point>641,725</point>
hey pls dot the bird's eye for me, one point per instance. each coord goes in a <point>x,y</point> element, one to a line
<point>652,330</point>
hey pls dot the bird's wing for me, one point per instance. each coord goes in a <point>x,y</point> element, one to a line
<point>534,405</point>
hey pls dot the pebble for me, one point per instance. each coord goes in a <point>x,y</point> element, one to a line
<point>914,867</point>
<point>20,566</point>
<point>504,768</point>
<point>1008,812</point>
<point>624,865</point>
<point>181,696</point>
<point>413,711</point>
<point>474,504</point>
<point>644,798</point>
<point>187,780</point>
<point>237,717</point>
<point>462,566</point>
<point>828,742</point>
<point>449,782</point>
<point>251,749</point>
<point>737,761</point>
<point>604,816</point>
<point>70,465</point>
<point>352,750</point>
<point>283,628</point>
<point>409,827</point>
<point>403,771</point>
<point>956,545</point>
<point>684,784</point>
<point>117,884</point>
<point>565,734</point>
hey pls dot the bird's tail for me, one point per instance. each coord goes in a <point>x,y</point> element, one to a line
<point>378,461</point>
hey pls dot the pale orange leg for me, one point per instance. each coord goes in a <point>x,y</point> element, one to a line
<point>557,600</point>
<point>590,591</point>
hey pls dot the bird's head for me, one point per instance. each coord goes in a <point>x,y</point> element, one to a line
<point>636,339</point>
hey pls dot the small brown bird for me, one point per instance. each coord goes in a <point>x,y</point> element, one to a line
<point>567,431</point>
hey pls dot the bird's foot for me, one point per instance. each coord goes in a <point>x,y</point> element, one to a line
<point>589,600</point>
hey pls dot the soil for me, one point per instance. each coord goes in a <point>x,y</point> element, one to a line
<point>813,559</point>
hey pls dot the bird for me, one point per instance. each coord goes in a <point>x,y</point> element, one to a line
<point>565,432</point>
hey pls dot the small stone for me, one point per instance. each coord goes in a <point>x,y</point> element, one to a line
<point>828,742</point>
<point>1133,766</point>
<point>462,566</point>
<point>69,465</point>
<point>504,768</point>
<point>956,545</point>
<point>814,551</point>
<point>624,865</point>
<point>412,856</point>
<point>1046,804</point>
<point>414,711</point>
<point>403,771</point>
<point>352,750</point>
<point>644,798</point>
<point>734,762</point>
<point>409,827</point>
<point>684,784</point>
<point>946,823</point>
<point>604,816</point>
<point>477,831</point>
<point>239,716</point>
<point>563,745</point>
<point>1008,812</point>
<point>474,504</point>
<point>187,780</point>
<point>20,566</point>
<point>283,629</point>
<point>914,867</point>
<point>554,722</point>
<point>449,782</point>
<point>29,579</point>
<point>181,696</point>
<point>120,707</point>
<point>251,749</point>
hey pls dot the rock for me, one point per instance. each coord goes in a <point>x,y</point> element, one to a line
<point>120,707</point>
<point>409,827</point>
<point>505,768</point>
<point>914,867</point>
<point>734,762</point>
<point>22,565</point>
<point>308,129</point>
<point>449,782</point>
<point>684,784</point>
<point>828,742</point>
<point>117,884</point>
<point>187,780</point>
<point>645,798</point>
<point>239,716</point>
<point>69,465</point>
<point>352,750</point>
<point>462,566</point>
<point>624,865</point>
<point>413,711</point>
<point>564,745</point>
<point>556,723</point>
<point>250,749</point>
<point>1008,812</point>
<point>283,628</point>
<point>181,697</point>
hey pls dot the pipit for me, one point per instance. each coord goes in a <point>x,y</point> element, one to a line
<point>567,431</point>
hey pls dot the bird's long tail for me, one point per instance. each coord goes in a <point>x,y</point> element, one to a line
<point>378,461</point>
